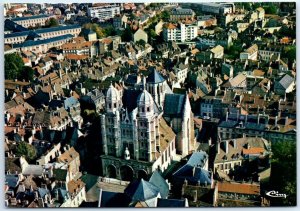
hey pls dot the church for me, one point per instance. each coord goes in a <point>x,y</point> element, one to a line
<point>137,138</point>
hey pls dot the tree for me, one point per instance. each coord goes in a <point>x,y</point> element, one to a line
<point>271,9</point>
<point>52,22</point>
<point>289,52</point>
<point>27,73</point>
<point>165,15</point>
<point>13,65</point>
<point>109,31</point>
<point>141,42</point>
<point>283,171</point>
<point>27,150</point>
<point>127,35</point>
<point>15,68</point>
<point>96,28</point>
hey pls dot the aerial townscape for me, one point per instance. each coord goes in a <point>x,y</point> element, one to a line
<point>150,104</point>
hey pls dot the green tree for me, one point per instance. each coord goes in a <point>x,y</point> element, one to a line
<point>289,52</point>
<point>271,9</point>
<point>127,35</point>
<point>52,22</point>
<point>283,171</point>
<point>141,42</point>
<point>165,15</point>
<point>27,73</point>
<point>26,150</point>
<point>109,31</point>
<point>13,65</point>
<point>96,28</point>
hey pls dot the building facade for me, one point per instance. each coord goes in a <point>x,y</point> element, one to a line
<point>136,142</point>
<point>104,13</point>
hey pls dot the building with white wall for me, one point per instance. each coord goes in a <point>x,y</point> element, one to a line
<point>104,12</point>
<point>180,32</point>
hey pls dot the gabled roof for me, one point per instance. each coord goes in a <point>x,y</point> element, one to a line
<point>242,188</point>
<point>174,105</point>
<point>286,81</point>
<point>193,171</point>
<point>113,199</point>
<point>161,183</point>
<point>154,77</point>
<point>171,203</point>
<point>141,190</point>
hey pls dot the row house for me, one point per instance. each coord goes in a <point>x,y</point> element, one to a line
<point>43,33</point>
<point>42,46</point>
<point>32,21</point>
<point>180,32</point>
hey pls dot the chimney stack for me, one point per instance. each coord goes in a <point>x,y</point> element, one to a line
<point>218,147</point>
<point>234,143</point>
<point>276,119</point>
<point>226,116</point>
<point>286,120</point>
<point>226,146</point>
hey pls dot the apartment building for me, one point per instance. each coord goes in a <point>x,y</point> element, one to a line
<point>180,32</point>
<point>79,47</point>
<point>181,14</point>
<point>269,54</point>
<point>217,8</point>
<point>42,46</point>
<point>250,54</point>
<point>104,12</point>
<point>46,33</point>
<point>31,21</point>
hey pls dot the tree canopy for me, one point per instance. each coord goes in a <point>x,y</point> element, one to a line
<point>15,68</point>
<point>127,35</point>
<point>283,171</point>
<point>26,150</point>
<point>52,22</point>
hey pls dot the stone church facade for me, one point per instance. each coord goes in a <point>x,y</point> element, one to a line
<point>137,137</point>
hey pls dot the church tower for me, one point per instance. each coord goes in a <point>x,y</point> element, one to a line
<point>110,123</point>
<point>147,129</point>
<point>156,86</point>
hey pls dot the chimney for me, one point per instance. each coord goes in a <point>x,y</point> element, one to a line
<point>60,74</point>
<point>226,146</point>
<point>218,147</point>
<point>286,120</point>
<point>194,170</point>
<point>226,116</point>
<point>276,119</point>
<point>258,118</point>
<point>195,195</point>
<point>209,142</point>
<point>246,118</point>
<point>234,143</point>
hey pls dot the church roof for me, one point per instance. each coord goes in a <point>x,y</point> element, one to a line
<point>193,170</point>
<point>171,203</point>
<point>174,105</point>
<point>141,190</point>
<point>161,183</point>
<point>155,77</point>
<point>145,98</point>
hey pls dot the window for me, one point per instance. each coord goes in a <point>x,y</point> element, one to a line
<point>148,109</point>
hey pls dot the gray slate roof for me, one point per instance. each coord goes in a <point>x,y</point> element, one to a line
<point>161,183</point>
<point>155,77</point>
<point>286,81</point>
<point>141,190</point>
<point>174,105</point>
